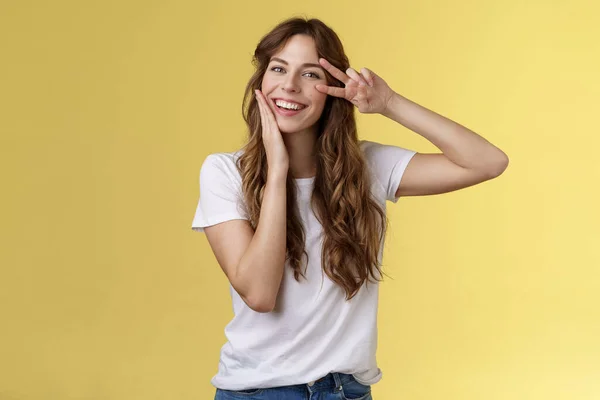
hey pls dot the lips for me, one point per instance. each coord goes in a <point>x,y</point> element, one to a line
<point>289,101</point>
<point>287,112</point>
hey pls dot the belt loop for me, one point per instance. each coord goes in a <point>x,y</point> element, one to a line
<point>337,380</point>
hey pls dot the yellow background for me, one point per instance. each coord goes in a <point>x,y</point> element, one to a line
<point>109,108</point>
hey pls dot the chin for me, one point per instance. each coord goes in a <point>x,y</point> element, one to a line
<point>290,128</point>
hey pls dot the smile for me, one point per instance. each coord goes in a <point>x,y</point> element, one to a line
<point>288,105</point>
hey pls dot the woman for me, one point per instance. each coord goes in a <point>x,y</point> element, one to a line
<point>305,327</point>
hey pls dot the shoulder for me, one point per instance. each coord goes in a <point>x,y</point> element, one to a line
<point>387,164</point>
<point>374,151</point>
<point>221,164</point>
<point>226,159</point>
<point>384,158</point>
<point>368,147</point>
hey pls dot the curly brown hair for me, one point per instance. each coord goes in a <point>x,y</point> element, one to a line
<point>353,222</point>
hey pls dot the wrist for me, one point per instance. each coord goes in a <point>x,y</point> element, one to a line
<point>391,105</point>
<point>277,176</point>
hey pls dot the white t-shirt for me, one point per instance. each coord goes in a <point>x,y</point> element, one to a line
<point>313,330</point>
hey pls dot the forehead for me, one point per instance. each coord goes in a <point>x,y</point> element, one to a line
<point>299,49</point>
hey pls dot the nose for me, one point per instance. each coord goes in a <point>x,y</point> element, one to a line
<point>290,84</point>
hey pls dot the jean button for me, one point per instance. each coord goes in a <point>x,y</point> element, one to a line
<point>311,383</point>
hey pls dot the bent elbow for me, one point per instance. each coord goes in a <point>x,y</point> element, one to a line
<point>260,303</point>
<point>498,167</point>
<point>502,165</point>
<point>257,297</point>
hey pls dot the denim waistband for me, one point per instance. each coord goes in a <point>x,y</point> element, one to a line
<point>330,381</point>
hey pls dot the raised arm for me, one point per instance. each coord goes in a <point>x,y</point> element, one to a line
<point>466,158</point>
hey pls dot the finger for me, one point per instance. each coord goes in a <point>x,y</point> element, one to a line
<point>356,76</point>
<point>259,102</point>
<point>339,75</point>
<point>261,110</point>
<point>267,114</point>
<point>368,76</point>
<point>332,90</point>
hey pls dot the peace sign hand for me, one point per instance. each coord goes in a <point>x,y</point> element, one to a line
<point>367,91</point>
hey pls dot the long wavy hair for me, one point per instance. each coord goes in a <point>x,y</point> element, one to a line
<point>354,223</point>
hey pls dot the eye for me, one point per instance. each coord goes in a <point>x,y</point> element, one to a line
<point>276,69</point>
<point>313,75</point>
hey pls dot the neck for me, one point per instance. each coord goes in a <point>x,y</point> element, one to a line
<point>300,147</point>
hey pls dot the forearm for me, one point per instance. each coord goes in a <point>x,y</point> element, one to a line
<point>261,267</point>
<point>461,145</point>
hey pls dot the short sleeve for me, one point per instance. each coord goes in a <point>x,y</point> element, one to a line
<point>388,163</point>
<point>220,192</point>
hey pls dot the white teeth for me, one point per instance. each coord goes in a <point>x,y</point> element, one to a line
<point>289,106</point>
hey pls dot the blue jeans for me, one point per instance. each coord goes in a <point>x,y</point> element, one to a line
<point>333,386</point>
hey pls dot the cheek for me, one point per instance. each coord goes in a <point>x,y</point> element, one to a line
<point>266,85</point>
<point>319,100</point>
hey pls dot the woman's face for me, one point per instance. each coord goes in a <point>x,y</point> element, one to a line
<point>289,85</point>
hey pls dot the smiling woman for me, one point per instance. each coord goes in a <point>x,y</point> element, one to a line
<point>305,185</point>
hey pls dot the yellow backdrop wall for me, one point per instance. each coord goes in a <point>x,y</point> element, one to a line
<point>109,108</point>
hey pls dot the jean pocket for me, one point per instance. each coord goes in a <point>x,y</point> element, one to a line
<point>354,390</point>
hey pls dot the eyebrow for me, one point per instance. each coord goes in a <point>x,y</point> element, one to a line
<point>303,65</point>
